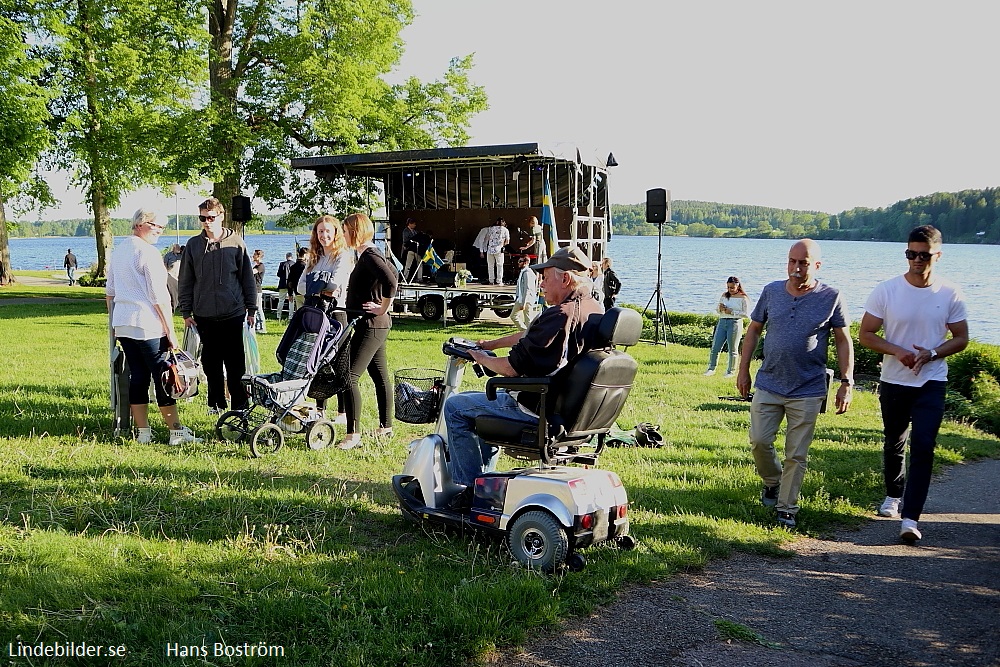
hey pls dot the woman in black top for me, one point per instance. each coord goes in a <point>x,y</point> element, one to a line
<point>370,290</point>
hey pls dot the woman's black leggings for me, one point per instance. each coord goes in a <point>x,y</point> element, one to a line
<point>368,352</point>
<point>341,317</point>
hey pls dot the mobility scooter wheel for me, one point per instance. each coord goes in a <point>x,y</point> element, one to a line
<point>320,434</point>
<point>576,562</point>
<point>625,542</point>
<point>266,439</point>
<point>232,426</point>
<point>538,540</point>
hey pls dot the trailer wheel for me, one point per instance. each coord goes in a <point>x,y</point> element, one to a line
<point>503,306</point>
<point>538,540</point>
<point>464,309</point>
<point>431,306</point>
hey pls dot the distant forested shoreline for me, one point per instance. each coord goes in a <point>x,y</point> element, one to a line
<point>969,216</point>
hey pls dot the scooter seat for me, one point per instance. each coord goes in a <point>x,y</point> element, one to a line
<point>497,429</point>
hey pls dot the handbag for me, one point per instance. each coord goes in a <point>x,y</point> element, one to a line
<point>180,375</point>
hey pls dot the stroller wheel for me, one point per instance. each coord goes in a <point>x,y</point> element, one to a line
<point>266,439</point>
<point>232,427</point>
<point>320,434</point>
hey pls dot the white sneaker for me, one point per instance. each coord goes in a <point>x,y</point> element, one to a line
<point>890,507</point>
<point>145,436</point>
<point>182,436</point>
<point>730,374</point>
<point>909,532</point>
<point>709,373</point>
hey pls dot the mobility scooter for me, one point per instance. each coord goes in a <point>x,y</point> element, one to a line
<point>549,510</point>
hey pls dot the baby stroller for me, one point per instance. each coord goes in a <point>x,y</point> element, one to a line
<point>314,357</point>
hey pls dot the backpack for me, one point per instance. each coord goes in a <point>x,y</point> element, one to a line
<point>611,283</point>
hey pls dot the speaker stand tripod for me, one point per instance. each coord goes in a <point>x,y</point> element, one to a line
<point>661,323</point>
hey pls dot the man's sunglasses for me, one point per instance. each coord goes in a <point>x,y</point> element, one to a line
<point>207,218</point>
<point>922,256</point>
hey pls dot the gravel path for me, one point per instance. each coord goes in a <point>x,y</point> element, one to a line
<point>863,598</point>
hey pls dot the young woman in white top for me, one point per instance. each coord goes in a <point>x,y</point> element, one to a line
<point>733,306</point>
<point>141,317</point>
<point>330,258</point>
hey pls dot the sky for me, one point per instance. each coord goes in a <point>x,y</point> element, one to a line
<point>802,105</point>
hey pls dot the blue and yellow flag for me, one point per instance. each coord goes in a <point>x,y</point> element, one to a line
<point>433,259</point>
<point>548,218</point>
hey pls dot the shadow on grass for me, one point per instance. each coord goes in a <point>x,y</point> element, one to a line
<point>32,410</point>
<point>733,404</point>
<point>68,308</point>
<point>157,502</point>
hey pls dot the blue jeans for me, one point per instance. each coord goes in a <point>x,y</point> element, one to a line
<point>923,408</point>
<point>729,330</point>
<point>470,456</point>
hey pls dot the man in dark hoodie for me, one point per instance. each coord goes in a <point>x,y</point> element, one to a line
<point>217,294</point>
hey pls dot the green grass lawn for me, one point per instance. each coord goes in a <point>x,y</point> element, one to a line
<point>147,546</point>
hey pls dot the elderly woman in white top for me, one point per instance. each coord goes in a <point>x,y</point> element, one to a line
<point>325,277</point>
<point>733,306</point>
<point>139,305</point>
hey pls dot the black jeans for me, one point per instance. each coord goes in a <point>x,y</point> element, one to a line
<point>222,347</point>
<point>145,362</point>
<point>923,408</point>
<point>368,352</point>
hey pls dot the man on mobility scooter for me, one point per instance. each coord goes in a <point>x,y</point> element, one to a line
<point>564,384</point>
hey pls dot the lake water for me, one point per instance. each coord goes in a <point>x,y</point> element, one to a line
<point>694,270</point>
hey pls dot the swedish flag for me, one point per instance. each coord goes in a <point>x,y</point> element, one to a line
<point>548,218</point>
<point>432,259</point>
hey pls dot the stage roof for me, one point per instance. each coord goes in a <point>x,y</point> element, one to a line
<point>380,164</point>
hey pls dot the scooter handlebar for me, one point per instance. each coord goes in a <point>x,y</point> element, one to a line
<point>460,347</point>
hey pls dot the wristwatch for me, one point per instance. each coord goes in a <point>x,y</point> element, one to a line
<point>847,381</point>
<point>933,355</point>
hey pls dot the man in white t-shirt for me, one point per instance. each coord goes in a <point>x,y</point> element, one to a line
<point>915,312</point>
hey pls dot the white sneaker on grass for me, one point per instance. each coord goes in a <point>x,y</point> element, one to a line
<point>144,436</point>
<point>709,373</point>
<point>908,531</point>
<point>890,507</point>
<point>182,436</point>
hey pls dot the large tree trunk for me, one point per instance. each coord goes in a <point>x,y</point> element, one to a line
<point>6,274</point>
<point>98,183</point>
<point>221,21</point>
<point>102,227</point>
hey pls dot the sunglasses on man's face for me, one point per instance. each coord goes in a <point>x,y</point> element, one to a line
<point>207,218</point>
<point>922,256</point>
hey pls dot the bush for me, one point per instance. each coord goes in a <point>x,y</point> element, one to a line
<point>90,280</point>
<point>967,365</point>
<point>866,362</point>
<point>986,403</point>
